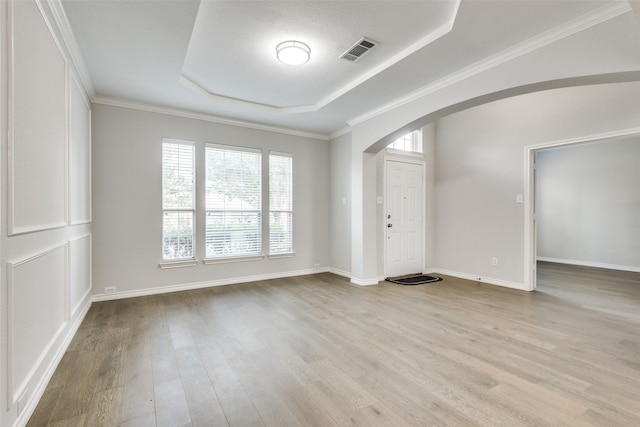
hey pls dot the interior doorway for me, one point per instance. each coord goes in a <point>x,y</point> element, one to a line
<point>404,217</point>
<point>531,219</point>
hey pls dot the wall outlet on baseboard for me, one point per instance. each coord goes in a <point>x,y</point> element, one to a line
<point>316,265</point>
<point>109,289</point>
<point>494,260</point>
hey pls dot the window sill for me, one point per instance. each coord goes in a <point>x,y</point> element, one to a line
<point>282,255</point>
<point>178,264</point>
<point>208,261</point>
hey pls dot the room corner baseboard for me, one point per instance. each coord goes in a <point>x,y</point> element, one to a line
<point>478,278</point>
<point>590,264</point>
<point>340,272</point>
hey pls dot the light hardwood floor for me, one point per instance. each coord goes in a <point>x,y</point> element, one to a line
<point>317,351</point>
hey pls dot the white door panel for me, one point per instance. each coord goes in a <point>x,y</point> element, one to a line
<point>405,225</point>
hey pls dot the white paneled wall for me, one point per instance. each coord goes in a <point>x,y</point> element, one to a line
<point>45,238</point>
<point>37,108</point>
<point>79,273</point>
<point>32,332</point>
<point>79,155</point>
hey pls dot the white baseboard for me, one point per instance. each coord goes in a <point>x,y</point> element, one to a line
<point>340,272</point>
<point>355,280</point>
<point>30,407</point>
<point>590,264</point>
<point>207,284</point>
<point>476,278</point>
<point>365,282</point>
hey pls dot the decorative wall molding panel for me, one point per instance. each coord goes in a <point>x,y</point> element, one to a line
<point>37,159</point>
<point>79,273</point>
<point>48,168</point>
<point>79,154</point>
<point>38,282</point>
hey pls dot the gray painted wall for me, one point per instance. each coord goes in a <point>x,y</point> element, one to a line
<point>480,168</point>
<point>588,204</point>
<point>127,201</point>
<point>340,205</point>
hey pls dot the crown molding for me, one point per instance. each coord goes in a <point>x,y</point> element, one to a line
<point>71,45</point>
<point>205,117</point>
<point>567,29</point>
<point>345,130</point>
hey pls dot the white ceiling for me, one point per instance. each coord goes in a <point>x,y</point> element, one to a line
<point>218,57</point>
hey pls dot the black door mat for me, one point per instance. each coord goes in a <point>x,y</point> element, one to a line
<point>417,279</point>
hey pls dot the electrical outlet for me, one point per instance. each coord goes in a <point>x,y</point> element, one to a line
<point>316,265</point>
<point>109,289</point>
<point>494,260</point>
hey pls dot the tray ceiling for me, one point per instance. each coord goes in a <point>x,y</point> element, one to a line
<point>217,58</point>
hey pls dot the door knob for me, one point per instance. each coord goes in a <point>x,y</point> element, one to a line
<point>389,225</point>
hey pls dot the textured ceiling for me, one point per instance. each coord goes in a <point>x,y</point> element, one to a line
<point>232,47</point>
<point>218,57</point>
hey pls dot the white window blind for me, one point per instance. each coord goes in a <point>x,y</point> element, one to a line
<point>280,203</point>
<point>178,200</point>
<point>233,184</point>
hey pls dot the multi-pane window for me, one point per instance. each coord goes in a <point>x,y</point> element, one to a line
<point>233,202</point>
<point>410,142</point>
<point>232,207</point>
<point>280,204</point>
<point>178,200</point>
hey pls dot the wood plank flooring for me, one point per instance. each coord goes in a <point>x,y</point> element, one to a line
<point>318,351</point>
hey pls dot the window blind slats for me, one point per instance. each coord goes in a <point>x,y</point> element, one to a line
<point>233,202</point>
<point>177,176</point>
<point>178,200</point>
<point>280,204</point>
<point>177,235</point>
<point>233,234</point>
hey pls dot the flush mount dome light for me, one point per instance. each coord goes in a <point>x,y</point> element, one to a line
<point>293,52</point>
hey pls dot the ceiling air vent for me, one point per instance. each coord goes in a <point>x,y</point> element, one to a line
<point>357,50</point>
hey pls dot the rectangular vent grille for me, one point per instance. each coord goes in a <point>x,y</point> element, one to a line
<point>357,50</point>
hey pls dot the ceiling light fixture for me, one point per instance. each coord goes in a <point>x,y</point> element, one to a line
<point>293,52</point>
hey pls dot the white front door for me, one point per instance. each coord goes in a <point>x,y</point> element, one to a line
<point>404,218</point>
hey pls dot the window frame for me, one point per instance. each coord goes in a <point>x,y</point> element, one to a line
<point>414,138</point>
<point>290,211</point>
<point>235,257</point>
<point>181,261</point>
<point>199,207</point>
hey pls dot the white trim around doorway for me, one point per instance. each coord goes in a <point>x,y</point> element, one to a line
<point>529,194</point>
